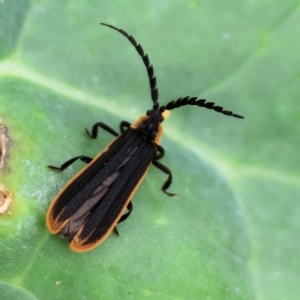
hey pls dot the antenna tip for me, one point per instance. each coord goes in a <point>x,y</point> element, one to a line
<point>238,116</point>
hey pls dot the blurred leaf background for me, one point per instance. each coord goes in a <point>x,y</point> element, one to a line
<point>232,232</point>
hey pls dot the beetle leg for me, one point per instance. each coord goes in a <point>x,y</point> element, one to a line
<point>160,152</point>
<point>124,125</point>
<point>102,125</point>
<point>124,217</point>
<point>169,179</point>
<point>83,158</point>
<point>116,231</point>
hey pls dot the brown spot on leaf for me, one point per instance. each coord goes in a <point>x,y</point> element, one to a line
<point>3,144</point>
<point>5,199</point>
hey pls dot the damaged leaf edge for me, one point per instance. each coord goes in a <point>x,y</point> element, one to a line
<point>5,194</point>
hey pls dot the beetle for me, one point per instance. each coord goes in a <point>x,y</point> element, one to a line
<point>91,204</point>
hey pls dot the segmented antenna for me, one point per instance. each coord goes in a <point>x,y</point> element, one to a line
<point>199,102</point>
<point>144,56</point>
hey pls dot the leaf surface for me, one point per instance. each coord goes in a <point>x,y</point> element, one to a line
<point>232,231</point>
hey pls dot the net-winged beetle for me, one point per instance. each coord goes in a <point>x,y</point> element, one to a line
<point>91,204</point>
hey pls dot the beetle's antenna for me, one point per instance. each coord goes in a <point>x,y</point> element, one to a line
<point>144,56</point>
<point>199,102</point>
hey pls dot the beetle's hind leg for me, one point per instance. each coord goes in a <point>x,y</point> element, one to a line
<point>124,217</point>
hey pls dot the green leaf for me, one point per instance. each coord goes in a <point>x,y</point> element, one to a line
<point>232,230</point>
